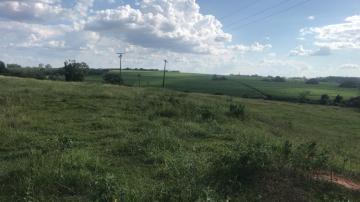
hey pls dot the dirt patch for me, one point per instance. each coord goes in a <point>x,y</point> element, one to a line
<point>333,178</point>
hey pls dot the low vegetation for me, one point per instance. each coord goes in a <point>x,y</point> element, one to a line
<point>92,142</point>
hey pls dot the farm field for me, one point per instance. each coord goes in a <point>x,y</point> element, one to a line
<point>93,142</point>
<point>241,86</point>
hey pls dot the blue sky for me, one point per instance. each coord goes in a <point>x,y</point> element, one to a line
<point>313,38</point>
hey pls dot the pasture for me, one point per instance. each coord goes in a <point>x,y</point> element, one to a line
<point>240,86</point>
<point>93,142</point>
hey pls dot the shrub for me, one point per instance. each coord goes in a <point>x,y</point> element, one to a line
<point>239,166</point>
<point>237,111</point>
<point>353,102</point>
<point>312,81</point>
<point>112,78</point>
<point>307,157</point>
<point>325,99</point>
<point>303,96</point>
<point>75,71</point>
<point>338,99</point>
<point>2,67</point>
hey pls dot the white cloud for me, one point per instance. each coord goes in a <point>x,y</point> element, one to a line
<point>301,51</point>
<point>350,67</point>
<point>344,35</point>
<point>31,10</point>
<point>171,25</point>
<point>311,17</point>
<point>255,47</point>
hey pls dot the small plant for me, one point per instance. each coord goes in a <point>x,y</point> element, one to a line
<point>237,111</point>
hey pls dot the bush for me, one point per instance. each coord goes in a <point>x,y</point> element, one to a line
<point>353,102</point>
<point>2,67</point>
<point>307,157</point>
<point>112,78</point>
<point>75,71</point>
<point>325,99</point>
<point>303,96</point>
<point>240,166</point>
<point>312,81</point>
<point>338,99</point>
<point>237,111</point>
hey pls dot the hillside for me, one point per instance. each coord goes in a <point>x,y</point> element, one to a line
<point>87,141</point>
<point>240,86</point>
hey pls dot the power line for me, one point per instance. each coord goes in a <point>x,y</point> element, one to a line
<point>273,14</point>
<point>259,13</point>
<point>240,9</point>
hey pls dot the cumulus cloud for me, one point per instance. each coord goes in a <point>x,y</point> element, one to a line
<point>350,67</point>
<point>301,51</point>
<point>31,10</point>
<point>311,17</point>
<point>175,25</point>
<point>344,35</point>
<point>255,47</point>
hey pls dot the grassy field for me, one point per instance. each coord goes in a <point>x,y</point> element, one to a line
<point>234,86</point>
<point>92,142</point>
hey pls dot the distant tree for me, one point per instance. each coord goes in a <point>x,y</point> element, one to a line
<point>48,66</point>
<point>2,67</point>
<point>303,96</point>
<point>325,99</point>
<point>353,102</point>
<point>338,99</point>
<point>75,71</point>
<point>13,66</point>
<point>279,79</point>
<point>312,81</point>
<point>349,84</point>
<point>217,77</point>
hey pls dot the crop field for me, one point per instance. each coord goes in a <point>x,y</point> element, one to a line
<point>241,86</point>
<point>67,141</point>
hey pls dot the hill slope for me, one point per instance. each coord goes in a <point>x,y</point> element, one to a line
<point>241,86</point>
<point>79,141</point>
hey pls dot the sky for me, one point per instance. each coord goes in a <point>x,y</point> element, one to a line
<point>292,38</point>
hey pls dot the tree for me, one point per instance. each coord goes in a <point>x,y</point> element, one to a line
<point>279,79</point>
<point>325,99</point>
<point>312,81</point>
<point>48,66</point>
<point>10,66</point>
<point>75,71</point>
<point>303,96</point>
<point>2,67</point>
<point>349,84</point>
<point>338,99</point>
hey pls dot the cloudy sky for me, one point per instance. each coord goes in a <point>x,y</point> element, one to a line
<point>266,37</point>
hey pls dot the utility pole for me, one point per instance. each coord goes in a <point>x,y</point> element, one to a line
<point>165,61</point>
<point>120,56</point>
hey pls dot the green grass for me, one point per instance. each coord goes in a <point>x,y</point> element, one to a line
<point>92,142</point>
<point>234,86</point>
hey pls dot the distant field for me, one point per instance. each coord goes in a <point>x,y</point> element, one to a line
<point>234,86</point>
<point>87,142</point>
